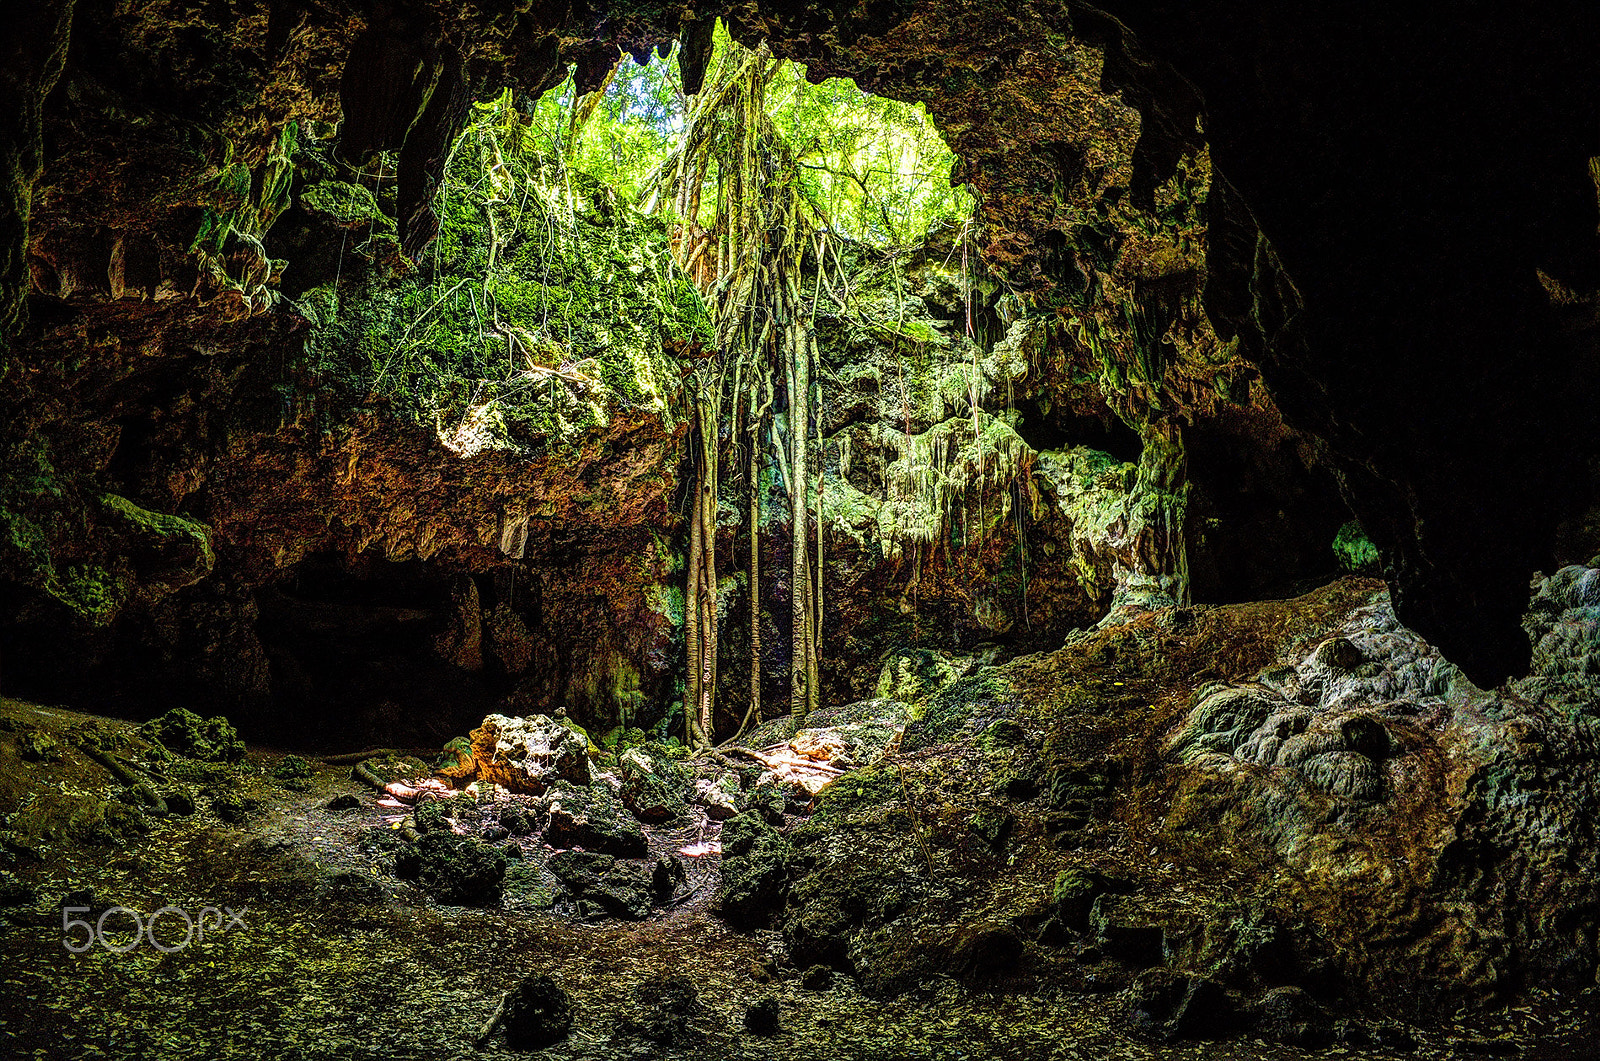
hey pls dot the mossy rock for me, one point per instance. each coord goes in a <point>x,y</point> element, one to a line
<point>293,773</point>
<point>37,746</point>
<point>755,872</point>
<point>970,703</point>
<point>653,784</point>
<point>847,796</point>
<point>459,870</point>
<point>185,733</point>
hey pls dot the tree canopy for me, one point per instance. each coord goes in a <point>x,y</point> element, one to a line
<point>871,168</point>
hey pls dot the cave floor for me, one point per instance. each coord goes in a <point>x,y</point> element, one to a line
<point>309,975</point>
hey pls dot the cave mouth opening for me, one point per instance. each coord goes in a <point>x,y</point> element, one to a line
<point>875,171</point>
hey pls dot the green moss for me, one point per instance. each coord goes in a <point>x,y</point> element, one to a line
<point>92,592</point>
<point>157,525</point>
<point>874,787</point>
<point>540,316</point>
<point>344,204</point>
<point>185,733</point>
<point>1355,551</point>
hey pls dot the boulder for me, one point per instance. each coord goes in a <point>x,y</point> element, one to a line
<point>652,785</point>
<point>537,1014</point>
<point>593,819</point>
<point>622,889</point>
<point>185,733</point>
<point>755,872</point>
<point>1165,1005</point>
<point>529,754</point>
<point>459,870</point>
<point>719,796</point>
<point>768,800</point>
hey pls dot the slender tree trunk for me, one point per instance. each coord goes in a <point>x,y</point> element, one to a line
<point>708,564</point>
<point>755,561</point>
<point>691,627</point>
<point>800,569</point>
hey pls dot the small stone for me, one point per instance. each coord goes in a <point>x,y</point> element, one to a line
<point>495,833</point>
<point>233,808</point>
<point>653,785</point>
<point>516,821</point>
<point>537,1014</point>
<point>344,801</point>
<point>762,1017</point>
<point>179,801</point>
<point>428,817</point>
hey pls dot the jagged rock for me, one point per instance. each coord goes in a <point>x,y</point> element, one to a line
<point>37,746</point>
<point>768,800</point>
<point>529,754</point>
<point>755,872</point>
<point>1165,1005</point>
<point>718,795</point>
<point>594,819</point>
<point>652,785</point>
<point>537,1014</point>
<point>621,888</point>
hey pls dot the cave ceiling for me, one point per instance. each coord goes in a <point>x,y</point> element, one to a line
<point>1401,233</point>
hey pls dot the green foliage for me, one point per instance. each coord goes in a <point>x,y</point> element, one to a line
<point>1355,550</point>
<point>540,313</point>
<point>875,169</point>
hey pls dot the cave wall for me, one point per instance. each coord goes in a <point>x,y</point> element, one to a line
<point>1216,213</point>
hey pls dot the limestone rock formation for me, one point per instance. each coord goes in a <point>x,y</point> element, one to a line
<point>529,754</point>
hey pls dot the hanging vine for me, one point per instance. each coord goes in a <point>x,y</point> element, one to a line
<point>744,250</point>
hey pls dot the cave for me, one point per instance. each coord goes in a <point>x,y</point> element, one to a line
<point>726,530</point>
